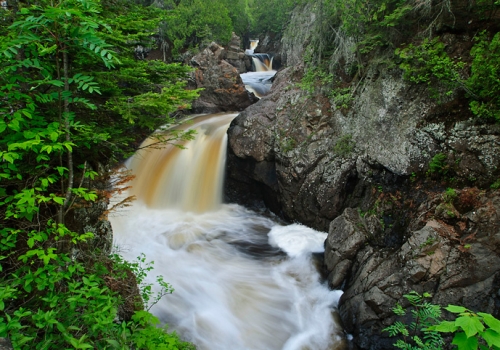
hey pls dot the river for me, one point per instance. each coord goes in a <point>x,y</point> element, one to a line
<point>243,280</point>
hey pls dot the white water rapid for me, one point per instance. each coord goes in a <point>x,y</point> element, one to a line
<point>242,281</point>
<point>259,82</point>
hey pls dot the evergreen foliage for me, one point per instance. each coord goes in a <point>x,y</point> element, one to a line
<point>270,16</point>
<point>194,22</point>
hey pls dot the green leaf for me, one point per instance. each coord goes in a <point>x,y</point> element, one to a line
<point>490,321</point>
<point>464,343</point>
<point>444,326</point>
<point>491,337</point>
<point>57,83</point>
<point>470,325</point>
<point>113,343</point>
<point>456,309</point>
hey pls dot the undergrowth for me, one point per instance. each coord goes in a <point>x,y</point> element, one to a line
<point>470,330</point>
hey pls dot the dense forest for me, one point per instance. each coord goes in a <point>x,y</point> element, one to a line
<point>75,101</point>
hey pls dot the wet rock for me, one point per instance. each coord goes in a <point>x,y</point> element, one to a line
<point>223,87</point>
<point>449,261</point>
<point>346,236</point>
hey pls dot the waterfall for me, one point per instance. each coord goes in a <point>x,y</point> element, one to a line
<point>262,62</point>
<point>253,44</point>
<point>259,81</point>
<point>242,280</point>
<point>195,174</point>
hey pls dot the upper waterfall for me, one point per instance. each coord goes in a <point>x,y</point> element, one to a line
<point>259,82</point>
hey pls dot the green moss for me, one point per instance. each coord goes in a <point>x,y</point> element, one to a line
<point>495,185</point>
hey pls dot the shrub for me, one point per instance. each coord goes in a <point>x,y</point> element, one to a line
<point>495,185</point>
<point>450,195</point>
<point>51,298</point>
<point>417,335</point>
<point>470,330</point>
<point>483,82</point>
<point>344,146</point>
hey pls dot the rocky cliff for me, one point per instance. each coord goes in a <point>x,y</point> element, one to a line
<point>400,180</point>
<point>217,73</point>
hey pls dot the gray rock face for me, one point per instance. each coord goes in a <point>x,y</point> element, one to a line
<point>294,41</point>
<point>223,88</point>
<point>5,344</point>
<point>360,173</point>
<point>236,57</point>
<point>458,263</point>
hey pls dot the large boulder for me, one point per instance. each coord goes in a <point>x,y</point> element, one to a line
<point>235,55</point>
<point>223,89</point>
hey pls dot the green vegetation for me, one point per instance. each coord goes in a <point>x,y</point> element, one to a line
<point>429,63</point>
<point>450,195</point>
<point>342,97</point>
<point>193,22</point>
<point>470,330</point>
<point>344,146</point>
<point>53,300</point>
<point>416,334</point>
<point>438,165</point>
<point>312,77</point>
<point>71,97</point>
<point>495,185</point>
<point>483,84</point>
<point>270,16</point>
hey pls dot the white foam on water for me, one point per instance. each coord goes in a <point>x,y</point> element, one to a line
<point>235,289</point>
<point>297,239</point>
<point>226,298</point>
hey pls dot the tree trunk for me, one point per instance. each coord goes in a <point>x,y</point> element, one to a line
<point>66,116</point>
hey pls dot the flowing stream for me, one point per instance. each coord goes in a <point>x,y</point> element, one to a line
<point>260,80</point>
<point>242,280</point>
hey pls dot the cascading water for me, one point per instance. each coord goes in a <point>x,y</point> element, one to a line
<point>259,81</point>
<point>242,281</point>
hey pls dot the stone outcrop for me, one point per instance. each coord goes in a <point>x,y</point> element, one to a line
<point>5,344</point>
<point>297,35</point>
<point>326,158</point>
<point>456,259</point>
<point>236,57</point>
<point>223,89</point>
